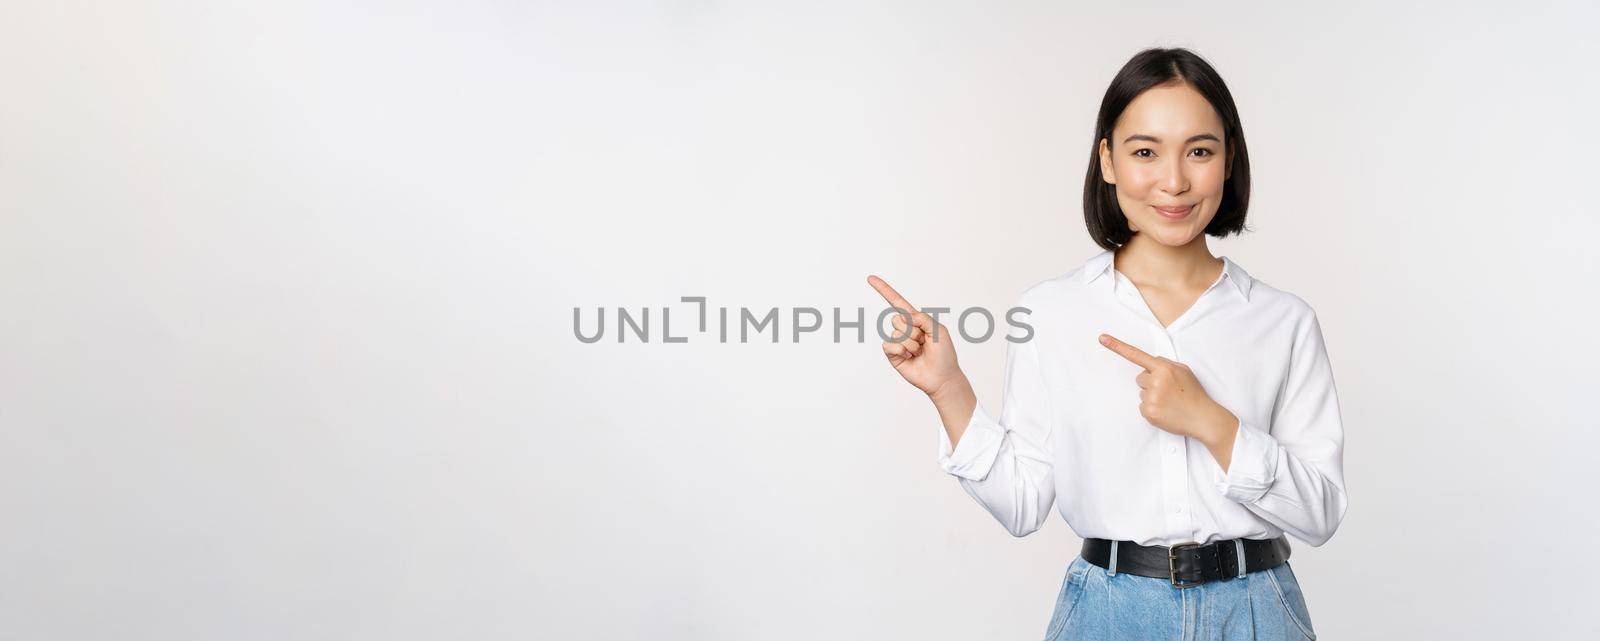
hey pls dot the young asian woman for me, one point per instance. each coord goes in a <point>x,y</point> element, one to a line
<point>1179,413</point>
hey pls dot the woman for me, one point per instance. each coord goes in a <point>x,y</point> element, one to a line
<point>1180,414</point>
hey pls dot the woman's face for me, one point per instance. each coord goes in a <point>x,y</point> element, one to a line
<point>1166,158</point>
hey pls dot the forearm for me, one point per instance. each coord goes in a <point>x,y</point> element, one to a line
<point>956,402</point>
<point>1302,493</point>
<point>1217,433</point>
<point>1008,471</point>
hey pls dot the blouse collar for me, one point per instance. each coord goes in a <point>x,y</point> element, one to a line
<point>1101,264</point>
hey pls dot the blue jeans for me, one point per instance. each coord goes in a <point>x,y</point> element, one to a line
<point>1094,604</point>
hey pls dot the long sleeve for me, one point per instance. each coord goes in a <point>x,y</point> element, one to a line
<point>1006,464</point>
<point>1291,473</point>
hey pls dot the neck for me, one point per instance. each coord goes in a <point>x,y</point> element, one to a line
<point>1147,261</point>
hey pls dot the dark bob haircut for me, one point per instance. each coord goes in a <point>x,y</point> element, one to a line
<point>1149,68</point>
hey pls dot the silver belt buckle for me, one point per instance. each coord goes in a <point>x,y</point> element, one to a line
<point>1172,566</point>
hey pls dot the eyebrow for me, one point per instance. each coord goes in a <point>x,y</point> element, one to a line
<point>1156,140</point>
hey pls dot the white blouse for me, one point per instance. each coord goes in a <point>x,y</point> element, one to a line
<point>1070,432</point>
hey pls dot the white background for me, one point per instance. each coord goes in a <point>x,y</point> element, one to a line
<point>286,348</point>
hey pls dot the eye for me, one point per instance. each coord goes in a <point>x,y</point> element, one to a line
<point>1203,152</point>
<point>1140,153</point>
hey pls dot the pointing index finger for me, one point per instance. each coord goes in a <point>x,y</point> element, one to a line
<point>1134,354</point>
<point>889,294</point>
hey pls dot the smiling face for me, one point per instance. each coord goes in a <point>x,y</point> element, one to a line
<point>1167,159</point>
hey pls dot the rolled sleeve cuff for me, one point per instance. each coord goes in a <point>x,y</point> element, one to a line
<point>973,457</point>
<point>1252,468</point>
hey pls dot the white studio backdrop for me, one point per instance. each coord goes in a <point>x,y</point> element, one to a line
<point>287,346</point>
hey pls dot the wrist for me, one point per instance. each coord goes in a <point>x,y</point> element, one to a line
<point>1222,427</point>
<point>956,391</point>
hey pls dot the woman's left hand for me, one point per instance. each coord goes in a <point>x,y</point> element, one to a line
<point>1171,398</point>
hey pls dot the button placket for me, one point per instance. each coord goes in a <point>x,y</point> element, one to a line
<point>1176,455</point>
<point>1173,452</point>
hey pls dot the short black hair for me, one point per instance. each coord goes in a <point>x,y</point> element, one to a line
<point>1149,68</point>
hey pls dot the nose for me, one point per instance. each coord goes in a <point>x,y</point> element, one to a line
<point>1174,180</point>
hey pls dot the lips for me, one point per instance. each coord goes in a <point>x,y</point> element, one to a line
<point>1174,213</point>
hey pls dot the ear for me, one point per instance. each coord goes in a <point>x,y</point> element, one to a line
<point>1107,173</point>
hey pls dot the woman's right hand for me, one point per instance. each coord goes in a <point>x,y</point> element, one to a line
<point>927,357</point>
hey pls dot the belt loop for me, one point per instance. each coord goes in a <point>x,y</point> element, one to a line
<point>1111,570</point>
<point>1238,546</point>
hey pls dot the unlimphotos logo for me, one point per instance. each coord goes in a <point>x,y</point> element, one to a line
<point>802,321</point>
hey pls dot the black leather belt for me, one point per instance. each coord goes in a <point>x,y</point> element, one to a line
<point>1187,565</point>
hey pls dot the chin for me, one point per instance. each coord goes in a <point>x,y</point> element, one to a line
<point>1171,237</point>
